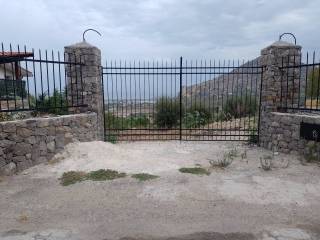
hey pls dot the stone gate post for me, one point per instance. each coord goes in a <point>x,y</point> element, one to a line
<point>274,57</point>
<point>86,81</point>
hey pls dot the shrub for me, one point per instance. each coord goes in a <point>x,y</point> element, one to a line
<point>167,112</point>
<point>266,162</point>
<point>239,106</point>
<point>111,139</point>
<point>138,121</point>
<point>55,104</point>
<point>312,152</point>
<point>196,116</point>
<point>5,117</point>
<point>114,122</point>
<point>227,159</point>
<point>221,116</point>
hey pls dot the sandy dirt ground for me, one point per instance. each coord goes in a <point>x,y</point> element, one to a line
<point>241,202</point>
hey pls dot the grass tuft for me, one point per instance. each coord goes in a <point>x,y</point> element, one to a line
<point>112,139</point>
<point>266,162</point>
<point>144,176</point>
<point>195,170</point>
<point>23,219</point>
<point>72,177</point>
<point>103,175</point>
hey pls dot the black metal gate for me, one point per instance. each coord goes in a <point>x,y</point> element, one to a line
<point>182,100</point>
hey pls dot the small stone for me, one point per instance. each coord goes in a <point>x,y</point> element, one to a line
<point>15,138</point>
<point>9,127</point>
<point>41,132</point>
<point>290,233</point>
<point>50,139</point>
<point>39,160</point>
<point>31,122</point>
<point>58,121</point>
<point>28,156</point>
<point>21,149</point>
<point>60,141</point>
<point>24,132</point>
<point>43,123</point>
<point>51,147</point>
<point>32,140</point>
<point>68,135</point>
<point>9,169</point>
<point>24,165</point>
<point>68,140</point>
<point>3,135</point>
<point>51,131</point>
<point>6,143</point>
<point>35,153</point>
<point>275,124</point>
<point>19,159</point>
<point>60,130</point>
<point>2,162</point>
<point>42,146</point>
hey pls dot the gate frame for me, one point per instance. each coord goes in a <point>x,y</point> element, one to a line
<point>255,133</point>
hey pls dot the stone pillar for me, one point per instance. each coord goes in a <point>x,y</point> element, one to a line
<point>275,92</point>
<point>84,84</point>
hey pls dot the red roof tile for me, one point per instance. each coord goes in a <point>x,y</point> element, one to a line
<point>16,54</point>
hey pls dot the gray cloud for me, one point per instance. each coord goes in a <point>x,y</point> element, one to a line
<point>155,29</point>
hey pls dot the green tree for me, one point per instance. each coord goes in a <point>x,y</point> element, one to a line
<point>168,112</point>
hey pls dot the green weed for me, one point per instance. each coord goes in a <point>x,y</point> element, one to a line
<point>195,170</point>
<point>144,176</point>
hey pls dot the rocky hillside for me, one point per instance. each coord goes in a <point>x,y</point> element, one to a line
<point>240,81</point>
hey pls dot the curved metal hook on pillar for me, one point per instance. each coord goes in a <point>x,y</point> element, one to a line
<point>90,29</point>
<point>291,34</point>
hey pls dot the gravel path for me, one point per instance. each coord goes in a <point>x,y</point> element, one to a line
<point>240,202</point>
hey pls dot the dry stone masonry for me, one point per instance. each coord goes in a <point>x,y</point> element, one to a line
<point>25,143</point>
<point>281,131</point>
<point>88,79</point>
<point>278,55</point>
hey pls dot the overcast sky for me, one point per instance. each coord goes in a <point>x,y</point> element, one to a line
<point>161,29</point>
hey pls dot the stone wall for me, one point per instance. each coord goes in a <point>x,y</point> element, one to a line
<point>280,131</point>
<point>283,132</point>
<point>85,81</point>
<point>25,143</point>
